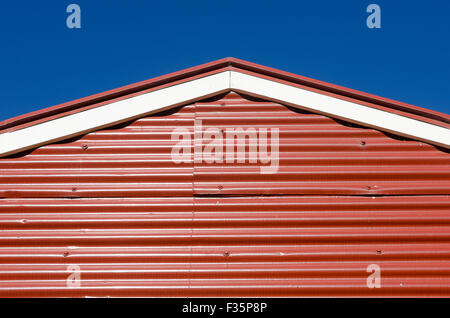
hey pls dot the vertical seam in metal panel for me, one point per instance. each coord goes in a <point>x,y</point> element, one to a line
<point>193,203</point>
<point>193,144</point>
<point>80,167</point>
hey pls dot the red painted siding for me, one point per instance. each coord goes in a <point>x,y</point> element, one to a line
<point>137,224</point>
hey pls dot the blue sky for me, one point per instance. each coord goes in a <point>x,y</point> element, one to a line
<point>43,63</point>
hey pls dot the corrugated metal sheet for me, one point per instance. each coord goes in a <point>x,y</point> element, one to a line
<point>113,203</point>
<point>319,155</point>
<point>132,160</point>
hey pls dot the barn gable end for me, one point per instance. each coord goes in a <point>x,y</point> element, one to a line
<point>112,204</point>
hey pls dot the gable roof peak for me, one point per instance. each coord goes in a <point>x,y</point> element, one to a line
<point>217,77</point>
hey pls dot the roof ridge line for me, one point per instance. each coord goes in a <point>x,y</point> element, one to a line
<point>228,63</point>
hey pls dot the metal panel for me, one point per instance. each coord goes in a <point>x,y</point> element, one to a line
<point>130,160</point>
<point>319,155</point>
<point>114,204</point>
<point>246,246</point>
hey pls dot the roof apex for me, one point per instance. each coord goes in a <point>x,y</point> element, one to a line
<point>231,66</point>
<point>224,63</point>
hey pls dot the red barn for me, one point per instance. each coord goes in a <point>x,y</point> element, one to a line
<point>226,179</point>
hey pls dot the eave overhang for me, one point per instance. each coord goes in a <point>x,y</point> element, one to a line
<point>133,101</point>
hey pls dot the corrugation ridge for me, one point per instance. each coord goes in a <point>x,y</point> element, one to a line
<point>114,203</point>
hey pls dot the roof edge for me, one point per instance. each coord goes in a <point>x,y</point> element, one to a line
<point>207,84</point>
<point>114,93</point>
<point>341,90</point>
<point>225,63</point>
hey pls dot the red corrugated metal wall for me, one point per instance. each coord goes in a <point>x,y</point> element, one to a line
<point>115,205</point>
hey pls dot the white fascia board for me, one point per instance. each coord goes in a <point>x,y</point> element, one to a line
<point>197,89</point>
<point>335,107</point>
<point>113,113</point>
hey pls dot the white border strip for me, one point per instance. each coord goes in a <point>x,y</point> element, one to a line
<point>114,113</point>
<point>342,109</point>
<point>165,98</point>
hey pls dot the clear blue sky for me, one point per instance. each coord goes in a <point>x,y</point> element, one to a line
<point>43,63</point>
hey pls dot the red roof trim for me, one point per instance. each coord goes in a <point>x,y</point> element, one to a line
<point>112,98</point>
<point>347,98</point>
<point>35,117</point>
<point>348,92</point>
<point>113,94</point>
